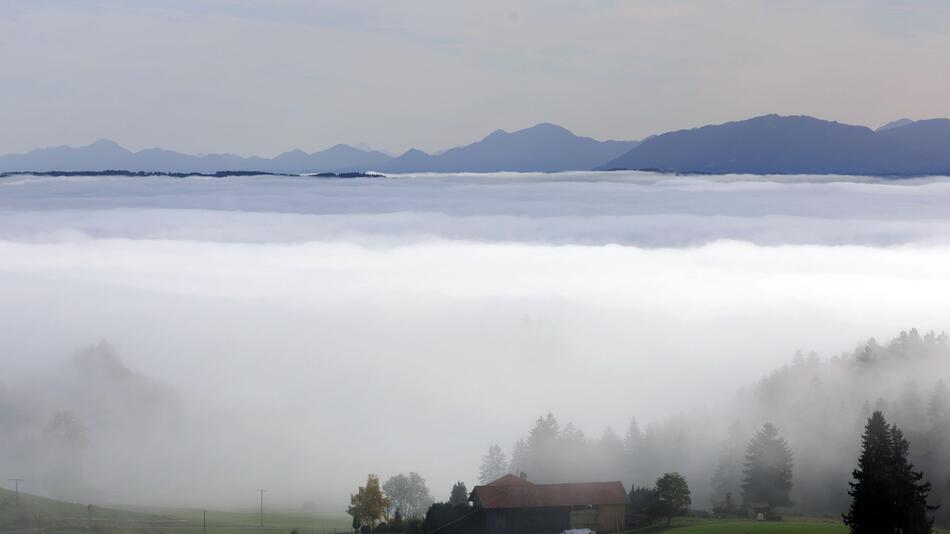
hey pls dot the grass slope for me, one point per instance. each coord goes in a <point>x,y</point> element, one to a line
<point>32,509</point>
<point>236,521</point>
<point>791,525</point>
<point>68,518</point>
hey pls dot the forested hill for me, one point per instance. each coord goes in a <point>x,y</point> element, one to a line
<point>819,405</point>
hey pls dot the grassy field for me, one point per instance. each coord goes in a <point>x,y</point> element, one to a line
<point>731,526</point>
<point>68,518</point>
<point>790,525</point>
<point>221,522</point>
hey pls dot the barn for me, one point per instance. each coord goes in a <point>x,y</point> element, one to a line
<point>512,505</point>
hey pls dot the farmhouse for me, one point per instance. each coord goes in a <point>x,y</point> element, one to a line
<point>512,505</point>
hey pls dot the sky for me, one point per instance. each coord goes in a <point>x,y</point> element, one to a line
<point>256,77</point>
<point>319,330</point>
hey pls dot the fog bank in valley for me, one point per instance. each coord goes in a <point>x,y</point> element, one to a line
<point>297,334</point>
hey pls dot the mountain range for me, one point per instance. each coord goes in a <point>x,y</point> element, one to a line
<point>107,155</point>
<point>770,144</point>
<point>773,144</point>
<point>542,148</point>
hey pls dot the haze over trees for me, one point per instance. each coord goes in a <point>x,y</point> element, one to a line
<point>408,494</point>
<point>494,465</point>
<point>819,405</point>
<point>767,472</point>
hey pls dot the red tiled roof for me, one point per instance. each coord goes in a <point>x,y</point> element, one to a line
<point>510,480</point>
<point>513,492</point>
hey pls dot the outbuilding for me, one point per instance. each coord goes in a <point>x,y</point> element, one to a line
<point>513,505</point>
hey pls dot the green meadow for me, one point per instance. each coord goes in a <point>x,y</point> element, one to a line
<point>62,517</point>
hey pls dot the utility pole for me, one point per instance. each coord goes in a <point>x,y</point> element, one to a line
<point>16,483</point>
<point>262,506</point>
<point>204,522</point>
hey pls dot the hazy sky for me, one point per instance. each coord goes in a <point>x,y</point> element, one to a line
<point>261,77</point>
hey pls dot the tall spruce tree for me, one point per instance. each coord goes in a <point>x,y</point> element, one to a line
<point>888,496</point>
<point>494,465</point>
<point>459,495</point>
<point>767,473</point>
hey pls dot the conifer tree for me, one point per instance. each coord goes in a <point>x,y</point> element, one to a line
<point>494,465</point>
<point>459,495</point>
<point>888,496</point>
<point>767,474</point>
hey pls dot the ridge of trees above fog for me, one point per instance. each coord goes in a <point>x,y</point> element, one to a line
<point>817,408</point>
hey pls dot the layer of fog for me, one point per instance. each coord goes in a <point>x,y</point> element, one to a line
<point>583,208</point>
<point>314,331</point>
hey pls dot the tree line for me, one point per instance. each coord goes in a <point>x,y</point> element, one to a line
<point>735,458</point>
<point>820,404</point>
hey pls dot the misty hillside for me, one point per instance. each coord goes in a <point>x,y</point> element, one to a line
<point>774,144</point>
<point>92,401</point>
<point>820,406</point>
<point>541,148</point>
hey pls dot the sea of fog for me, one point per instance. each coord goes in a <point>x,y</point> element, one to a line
<point>317,330</point>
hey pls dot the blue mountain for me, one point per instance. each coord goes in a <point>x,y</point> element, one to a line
<point>107,155</point>
<point>774,144</point>
<point>542,148</point>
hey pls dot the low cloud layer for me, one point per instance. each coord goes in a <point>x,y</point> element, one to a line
<point>317,330</point>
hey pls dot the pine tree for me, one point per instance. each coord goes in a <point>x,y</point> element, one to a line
<point>767,474</point>
<point>459,496</point>
<point>888,496</point>
<point>871,504</point>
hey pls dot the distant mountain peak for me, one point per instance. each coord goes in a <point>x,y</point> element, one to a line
<point>105,144</point>
<point>544,147</point>
<point>548,126</point>
<point>773,144</point>
<point>895,124</point>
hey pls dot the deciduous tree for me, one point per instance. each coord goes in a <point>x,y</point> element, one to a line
<point>672,495</point>
<point>368,504</point>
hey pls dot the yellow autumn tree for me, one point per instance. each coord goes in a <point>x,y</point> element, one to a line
<point>369,504</point>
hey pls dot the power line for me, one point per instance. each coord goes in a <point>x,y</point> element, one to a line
<point>262,505</point>
<point>16,484</point>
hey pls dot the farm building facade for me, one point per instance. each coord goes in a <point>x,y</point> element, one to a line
<point>512,505</point>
